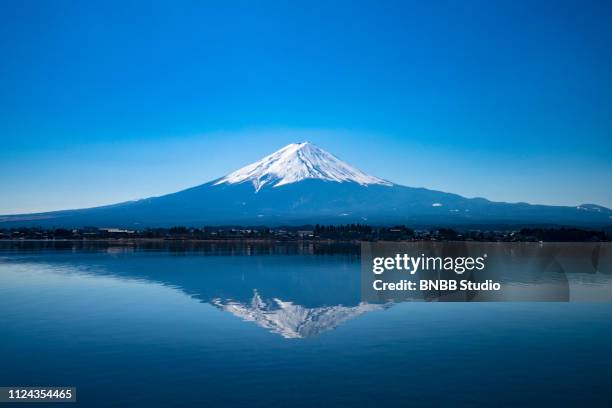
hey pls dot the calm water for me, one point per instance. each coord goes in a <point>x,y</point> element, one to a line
<point>279,326</point>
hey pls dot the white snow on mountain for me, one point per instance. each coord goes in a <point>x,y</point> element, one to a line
<point>294,321</point>
<point>296,162</point>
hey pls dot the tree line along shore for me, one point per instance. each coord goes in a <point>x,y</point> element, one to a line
<point>318,232</point>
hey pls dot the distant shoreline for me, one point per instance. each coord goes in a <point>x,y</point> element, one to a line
<point>347,233</point>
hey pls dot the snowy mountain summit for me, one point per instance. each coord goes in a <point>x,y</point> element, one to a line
<point>296,162</point>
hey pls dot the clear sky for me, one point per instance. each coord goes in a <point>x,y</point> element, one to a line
<point>103,102</point>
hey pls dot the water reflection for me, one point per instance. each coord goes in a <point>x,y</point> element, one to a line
<point>293,290</point>
<point>290,320</point>
<point>237,247</point>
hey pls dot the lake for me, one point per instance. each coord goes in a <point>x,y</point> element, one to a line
<point>158,325</point>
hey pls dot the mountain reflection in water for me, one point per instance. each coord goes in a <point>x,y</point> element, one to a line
<point>293,290</point>
<point>293,321</point>
<point>296,291</point>
<point>180,326</point>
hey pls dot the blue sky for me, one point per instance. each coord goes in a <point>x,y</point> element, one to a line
<point>111,101</point>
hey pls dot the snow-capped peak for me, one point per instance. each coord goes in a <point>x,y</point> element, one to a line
<point>296,162</point>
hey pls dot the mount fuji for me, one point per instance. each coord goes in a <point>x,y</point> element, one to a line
<point>303,184</point>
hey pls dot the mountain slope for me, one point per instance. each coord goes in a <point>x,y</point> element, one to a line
<point>303,184</point>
